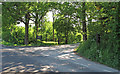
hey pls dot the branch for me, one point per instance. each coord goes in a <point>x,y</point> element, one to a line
<point>33,15</point>
<point>32,20</point>
<point>20,19</point>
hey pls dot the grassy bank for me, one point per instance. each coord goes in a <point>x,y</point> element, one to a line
<point>105,53</point>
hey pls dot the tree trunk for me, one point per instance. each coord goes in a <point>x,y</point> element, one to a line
<point>46,37</point>
<point>58,38</point>
<point>53,32</point>
<point>26,34</point>
<point>118,26</point>
<point>36,25</point>
<point>66,36</point>
<point>27,17</point>
<point>98,38</point>
<point>84,23</point>
<point>53,26</point>
<point>58,41</point>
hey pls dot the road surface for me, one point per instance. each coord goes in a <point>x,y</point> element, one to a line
<point>59,58</point>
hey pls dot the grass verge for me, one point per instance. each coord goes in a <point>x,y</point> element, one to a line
<point>104,53</point>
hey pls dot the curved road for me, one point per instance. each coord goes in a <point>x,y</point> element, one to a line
<point>59,58</point>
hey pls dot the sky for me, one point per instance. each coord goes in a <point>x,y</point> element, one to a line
<point>49,17</point>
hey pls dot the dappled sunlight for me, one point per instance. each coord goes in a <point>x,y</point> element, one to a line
<point>8,49</point>
<point>46,68</point>
<point>26,59</point>
<point>37,50</point>
<point>65,34</point>
<point>65,56</point>
<point>22,64</point>
<point>18,68</point>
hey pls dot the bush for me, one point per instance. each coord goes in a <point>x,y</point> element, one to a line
<point>106,52</point>
<point>14,35</point>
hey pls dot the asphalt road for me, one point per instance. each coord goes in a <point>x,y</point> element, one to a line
<point>60,58</point>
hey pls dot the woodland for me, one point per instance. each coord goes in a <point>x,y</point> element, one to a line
<point>95,25</point>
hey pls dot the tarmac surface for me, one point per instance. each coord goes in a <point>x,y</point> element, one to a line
<point>59,58</point>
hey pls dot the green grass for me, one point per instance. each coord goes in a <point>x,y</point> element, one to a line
<point>105,53</point>
<point>50,42</point>
<point>39,43</point>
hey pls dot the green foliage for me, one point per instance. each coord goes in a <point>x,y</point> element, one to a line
<point>14,35</point>
<point>105,52</point>
<point>79,37</point>
<point>68,27</point>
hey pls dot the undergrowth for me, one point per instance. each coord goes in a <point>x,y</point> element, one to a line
<point>105,53</point>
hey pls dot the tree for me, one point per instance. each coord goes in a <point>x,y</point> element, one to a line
<point>39,11</point>
<point>63,25</point>
<point>66,11</point>
<point>16,12</point>
<point>84,22</point>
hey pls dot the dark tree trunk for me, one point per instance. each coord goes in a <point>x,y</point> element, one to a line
<point>118,26</point>
<point>66,36</point>
<point>84,23</point>
<point>98,38</point>
<point>53,32</point>
<point>58,38</point>
<point>58,41</point>
<point>36,25</point>
<point>46,37</point>
<point>26,34</point>
<point>27,17</point>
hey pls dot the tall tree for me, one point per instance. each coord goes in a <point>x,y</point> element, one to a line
<point>16,12</point>
<point>53,23</point>
<point>84,22</point>
<point>39,11</point>
<point>67,10</point>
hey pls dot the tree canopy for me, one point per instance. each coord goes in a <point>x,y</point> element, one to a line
<point>95,25</point>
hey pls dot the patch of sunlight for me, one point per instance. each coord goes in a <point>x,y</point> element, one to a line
<point>35,70</point>
<point>29,45</point>
<point>21,67</point>
<point>49,42</point>
<point>56,71</point>
<point>10,63</point>
<point>22,70</point>
<point>15,44</point>
<point>6,67</point>
<point>29,51</point>
<point>65,56</point>
<point>64,64</point>
<point>29,65</point>
<point>13,69</point>
<point>73,70</point>
<point>44,48</point>
<point>9,49</point>
<point>45,68</point>
<point>31,69</point>
<point>69,50</point>
<point>39,48</point>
